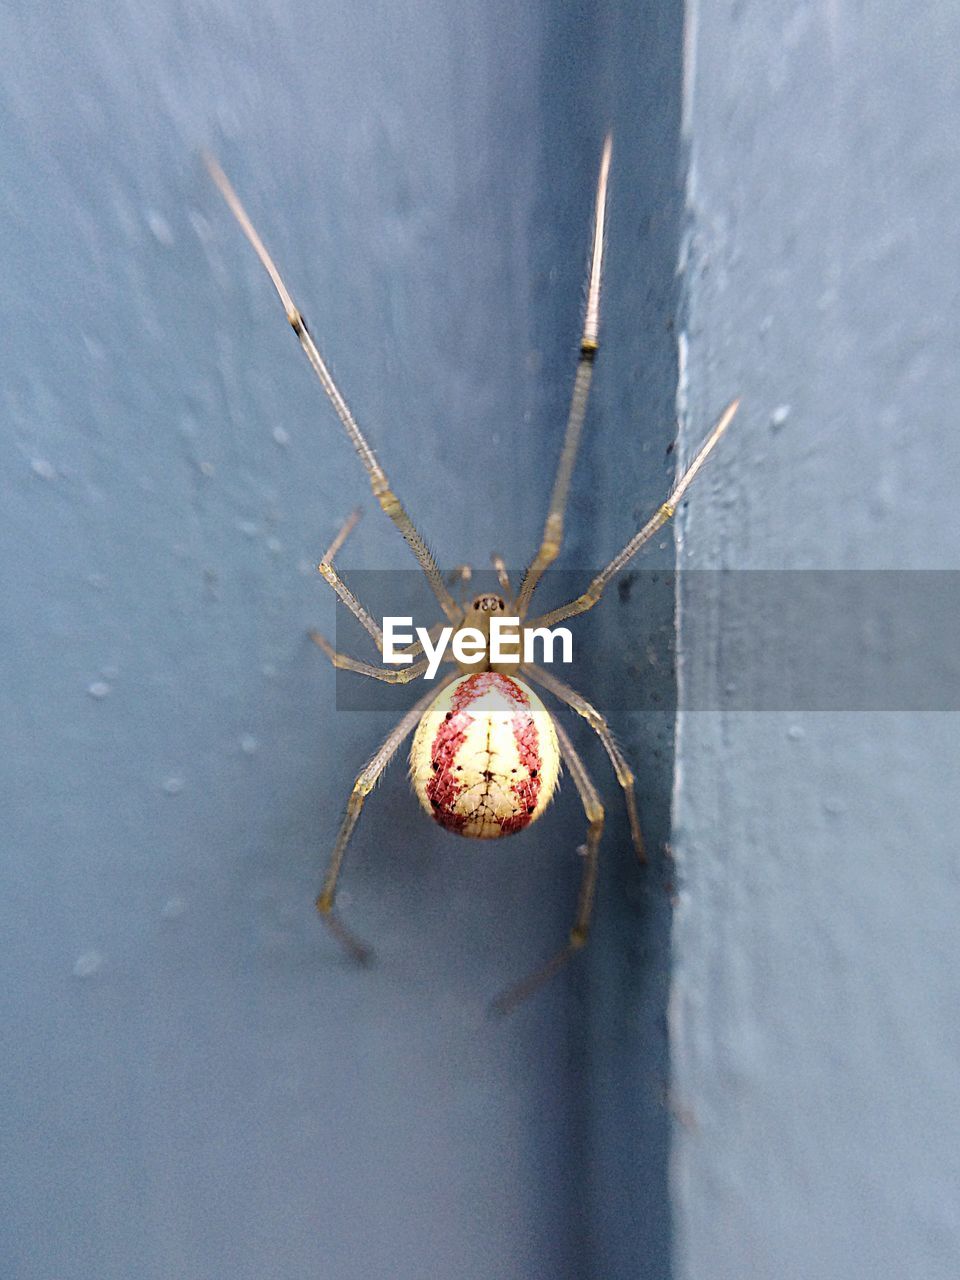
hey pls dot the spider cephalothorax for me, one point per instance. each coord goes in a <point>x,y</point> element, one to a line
<point>486,752</point>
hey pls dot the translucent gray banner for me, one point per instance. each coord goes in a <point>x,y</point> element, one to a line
<point>753,640</point>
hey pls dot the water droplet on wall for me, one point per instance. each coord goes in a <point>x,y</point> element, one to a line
<point>160,228</point>
<point>87,964</point>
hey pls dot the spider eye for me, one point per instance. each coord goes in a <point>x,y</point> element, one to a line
<point>488,604</point>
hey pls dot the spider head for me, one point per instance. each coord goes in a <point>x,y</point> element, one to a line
<point>488,604</point>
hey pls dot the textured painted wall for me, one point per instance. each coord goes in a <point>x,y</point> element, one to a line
<point>196,1084</point>
<point>815,1036</point>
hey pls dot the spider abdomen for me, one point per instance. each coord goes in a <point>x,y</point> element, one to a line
<point>485,759</point>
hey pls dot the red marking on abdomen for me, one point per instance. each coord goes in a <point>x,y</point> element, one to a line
<point>444,788</point>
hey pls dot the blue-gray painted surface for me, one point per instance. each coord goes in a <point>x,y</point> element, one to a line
<point>196,1084</point>
<point>815,1035</point>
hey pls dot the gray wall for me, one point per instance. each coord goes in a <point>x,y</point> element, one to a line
<point>196,1084</point>
<point>815,1036</point>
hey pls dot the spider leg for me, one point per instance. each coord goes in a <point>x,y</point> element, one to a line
<point>345,530</point>
<point>379,483</point>
<point>365,782</point>
<point>461,573</point>
<point>589,345</point>
<point>663,513</point>
<point>593,808</point>
<point>600,727</point>
<point>352,664</point>
<point>502,576</point>
<point>346,597</point>
<point>343,592</point>
<point>389,675</point>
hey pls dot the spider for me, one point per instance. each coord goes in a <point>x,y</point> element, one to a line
<point>486,752</point>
